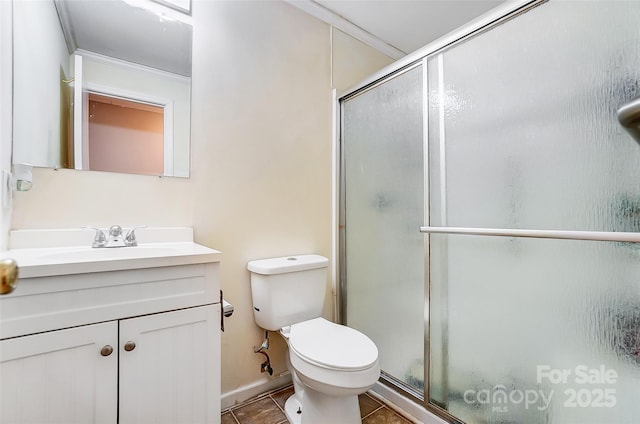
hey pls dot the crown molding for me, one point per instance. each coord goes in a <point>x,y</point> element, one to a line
<point>344,25</point>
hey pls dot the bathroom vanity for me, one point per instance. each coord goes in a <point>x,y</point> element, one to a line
<point>126,335</point>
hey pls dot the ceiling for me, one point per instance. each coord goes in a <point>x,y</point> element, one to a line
<point>395,27</point>
<point>130,30</point>
<point>403,25</point>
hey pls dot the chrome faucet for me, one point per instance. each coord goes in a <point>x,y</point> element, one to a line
<point>116,239</point>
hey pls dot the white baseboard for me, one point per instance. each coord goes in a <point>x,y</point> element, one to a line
<point>254,389</point>
<point>405,406</point>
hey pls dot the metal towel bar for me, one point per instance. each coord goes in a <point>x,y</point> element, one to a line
<point>544,234</point>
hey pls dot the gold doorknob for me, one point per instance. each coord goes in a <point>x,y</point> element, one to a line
<point>8,275</point>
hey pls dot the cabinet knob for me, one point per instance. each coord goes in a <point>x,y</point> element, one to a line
<point>129,346</point>
<point>106,350</point>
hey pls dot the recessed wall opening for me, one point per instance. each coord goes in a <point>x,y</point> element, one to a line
<point>125,135</point>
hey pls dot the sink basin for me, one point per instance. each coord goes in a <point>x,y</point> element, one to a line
<point>91,254</point>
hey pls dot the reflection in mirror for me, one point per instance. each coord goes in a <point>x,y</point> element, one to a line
<point>102,85</point>
<point>124,136</point>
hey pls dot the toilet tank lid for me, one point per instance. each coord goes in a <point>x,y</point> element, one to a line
<point>287,264</point>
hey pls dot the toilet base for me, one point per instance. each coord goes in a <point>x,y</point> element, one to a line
<point>319,408</point>
<point>291,407</point>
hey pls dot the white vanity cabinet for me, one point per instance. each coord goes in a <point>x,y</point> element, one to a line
<point>60,376</point>
<point>169,367</point>
<point>132,345</point>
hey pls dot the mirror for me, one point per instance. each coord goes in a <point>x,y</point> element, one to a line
<point>103,85</point>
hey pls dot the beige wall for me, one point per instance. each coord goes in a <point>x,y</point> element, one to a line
<point>353,61</point>
<point>261,163</point>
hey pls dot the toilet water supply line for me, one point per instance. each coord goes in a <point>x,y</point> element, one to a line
<point>266,365</point>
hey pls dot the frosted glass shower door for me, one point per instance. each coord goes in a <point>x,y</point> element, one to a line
<point>383,191</point>
<point>523,134</point>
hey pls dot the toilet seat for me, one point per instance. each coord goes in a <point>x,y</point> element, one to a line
<point>332,346</point>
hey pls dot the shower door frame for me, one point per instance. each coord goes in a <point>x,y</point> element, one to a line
<point>484,23</point>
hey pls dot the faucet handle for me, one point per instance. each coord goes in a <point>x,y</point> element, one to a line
<point>100,240</point>
<point>115,231</point>
<point>130,238</point>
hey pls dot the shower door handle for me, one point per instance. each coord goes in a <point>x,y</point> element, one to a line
<point>629,117</point>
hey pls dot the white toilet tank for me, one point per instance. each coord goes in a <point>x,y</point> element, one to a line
<point>287,290</point>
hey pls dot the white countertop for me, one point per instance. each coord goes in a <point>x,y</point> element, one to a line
<point>49,261</point>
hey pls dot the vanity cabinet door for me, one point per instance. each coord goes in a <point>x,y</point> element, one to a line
<point>170,367</point>
<point>65,376</point>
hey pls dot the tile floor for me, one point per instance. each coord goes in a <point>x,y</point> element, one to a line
<point>268,409</point>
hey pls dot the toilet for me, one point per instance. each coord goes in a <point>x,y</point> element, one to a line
<point>330,364</point>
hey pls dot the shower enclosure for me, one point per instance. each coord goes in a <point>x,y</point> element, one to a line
<point>490,217</point>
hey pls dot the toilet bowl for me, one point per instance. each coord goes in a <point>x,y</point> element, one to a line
<point>333,364</point>
<point>330,364</point>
